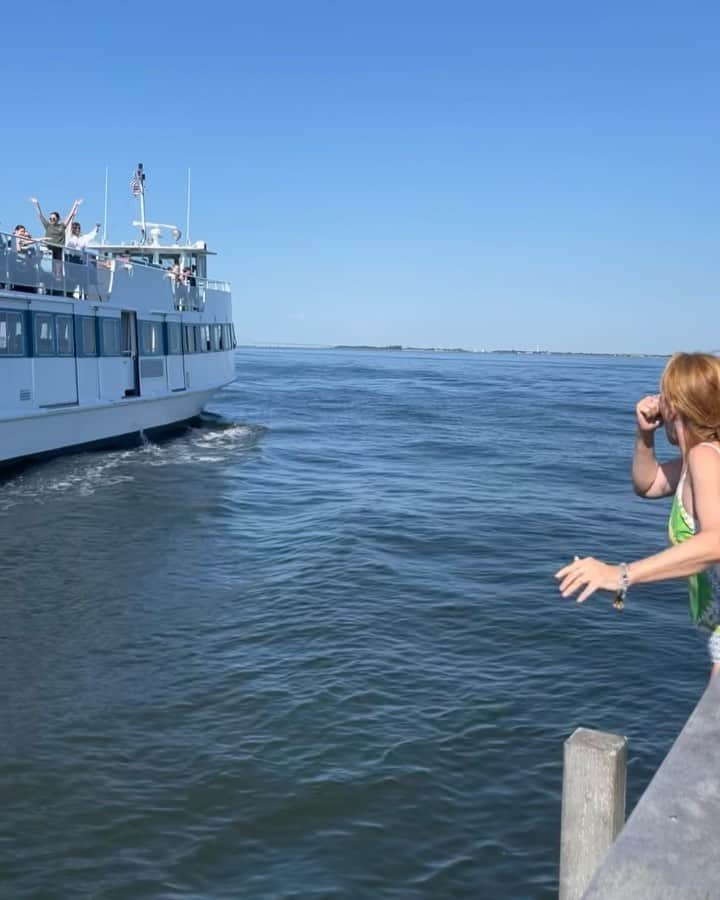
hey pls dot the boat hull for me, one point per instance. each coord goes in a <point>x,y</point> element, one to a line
<point>52,431</point>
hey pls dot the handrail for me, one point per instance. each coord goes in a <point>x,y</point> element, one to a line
<point>211,283</point>
<point>32,266</point>
<point>215,285</point>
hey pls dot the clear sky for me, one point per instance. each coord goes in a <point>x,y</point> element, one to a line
<point>475,174</point>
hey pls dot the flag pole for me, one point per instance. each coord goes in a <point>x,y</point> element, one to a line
<point>105,213</point>
<point>141,179</point>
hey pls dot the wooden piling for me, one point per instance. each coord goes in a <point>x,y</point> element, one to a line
<point>593,805</point>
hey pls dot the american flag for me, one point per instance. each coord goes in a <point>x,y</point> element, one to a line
<point>135,185</point>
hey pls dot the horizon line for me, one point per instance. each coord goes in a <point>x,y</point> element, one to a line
<point>280,345</point>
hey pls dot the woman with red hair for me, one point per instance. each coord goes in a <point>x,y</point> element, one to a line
<point>689,407</point>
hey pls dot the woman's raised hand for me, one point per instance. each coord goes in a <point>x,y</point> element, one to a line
<point>647,413</point>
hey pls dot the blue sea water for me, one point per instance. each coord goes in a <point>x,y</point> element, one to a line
<point>314,648</point>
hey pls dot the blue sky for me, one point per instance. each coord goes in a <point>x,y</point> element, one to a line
<point>482,175</point>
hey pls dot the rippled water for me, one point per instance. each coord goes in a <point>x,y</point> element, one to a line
<point>314,649</point>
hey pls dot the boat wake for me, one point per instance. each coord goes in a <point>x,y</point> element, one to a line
<point>210,439</point>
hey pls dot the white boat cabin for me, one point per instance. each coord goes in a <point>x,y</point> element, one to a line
<point>117,338</point>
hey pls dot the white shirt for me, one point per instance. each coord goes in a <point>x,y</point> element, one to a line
<point>81,241</point>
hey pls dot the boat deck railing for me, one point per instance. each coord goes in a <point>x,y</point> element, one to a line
<point>33,267</point>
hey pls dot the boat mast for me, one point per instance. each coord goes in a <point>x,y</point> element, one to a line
<point>105,216</point>
<point>141,183</point>
<point>187,209</point>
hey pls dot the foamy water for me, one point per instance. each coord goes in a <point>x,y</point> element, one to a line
<point>86,473</point>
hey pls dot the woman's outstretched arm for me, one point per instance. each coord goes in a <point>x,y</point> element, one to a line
<point>693,555</point>
<point>71,215</point>
<point>36,203</point>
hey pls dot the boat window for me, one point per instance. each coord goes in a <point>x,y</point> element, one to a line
<point>110,331</point>
<point>151,339</point>
<point>65,336</point>
<point>88,337</point>
<point>205,338</point>
<point>12,338</point>
<point>189,338</point>
<point>199,342</point>
<point>44,334</point>
<point>216,339</point>
<point>174,338</point>
<point>234,339</point>
<point>16,334</point>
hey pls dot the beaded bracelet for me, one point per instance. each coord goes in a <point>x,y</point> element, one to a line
<point>624,584</point>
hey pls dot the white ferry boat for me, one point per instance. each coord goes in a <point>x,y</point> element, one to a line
<point>101,344</point>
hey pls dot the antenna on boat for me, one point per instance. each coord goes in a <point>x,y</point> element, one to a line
<point>187,209</point>
<point>105,213</point>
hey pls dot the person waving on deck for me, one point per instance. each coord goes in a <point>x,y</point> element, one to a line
<point>55,228</point>
<point>689,407</point>
<point>76,240</point>
<point>55,234</point>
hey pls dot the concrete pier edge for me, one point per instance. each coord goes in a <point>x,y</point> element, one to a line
<point>668,849</point>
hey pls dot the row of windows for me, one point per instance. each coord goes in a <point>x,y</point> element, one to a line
<point>206,338</point>
<point>184,338</point>
<point>55,334</point>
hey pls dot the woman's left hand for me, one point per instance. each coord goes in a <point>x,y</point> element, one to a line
<point>589,574</point>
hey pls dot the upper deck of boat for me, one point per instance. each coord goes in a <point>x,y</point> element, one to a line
<point>168,276</point>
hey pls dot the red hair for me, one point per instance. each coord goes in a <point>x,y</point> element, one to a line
<point>690,385</point>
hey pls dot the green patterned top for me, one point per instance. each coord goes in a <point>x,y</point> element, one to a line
<point>681,527</point>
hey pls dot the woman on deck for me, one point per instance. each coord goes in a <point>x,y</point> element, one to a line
<point>55,227</point>
<point>689,407</point>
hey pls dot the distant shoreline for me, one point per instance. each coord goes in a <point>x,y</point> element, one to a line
<point>402,348</point>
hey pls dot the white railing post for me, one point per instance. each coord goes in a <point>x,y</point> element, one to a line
<point>593,805</point>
